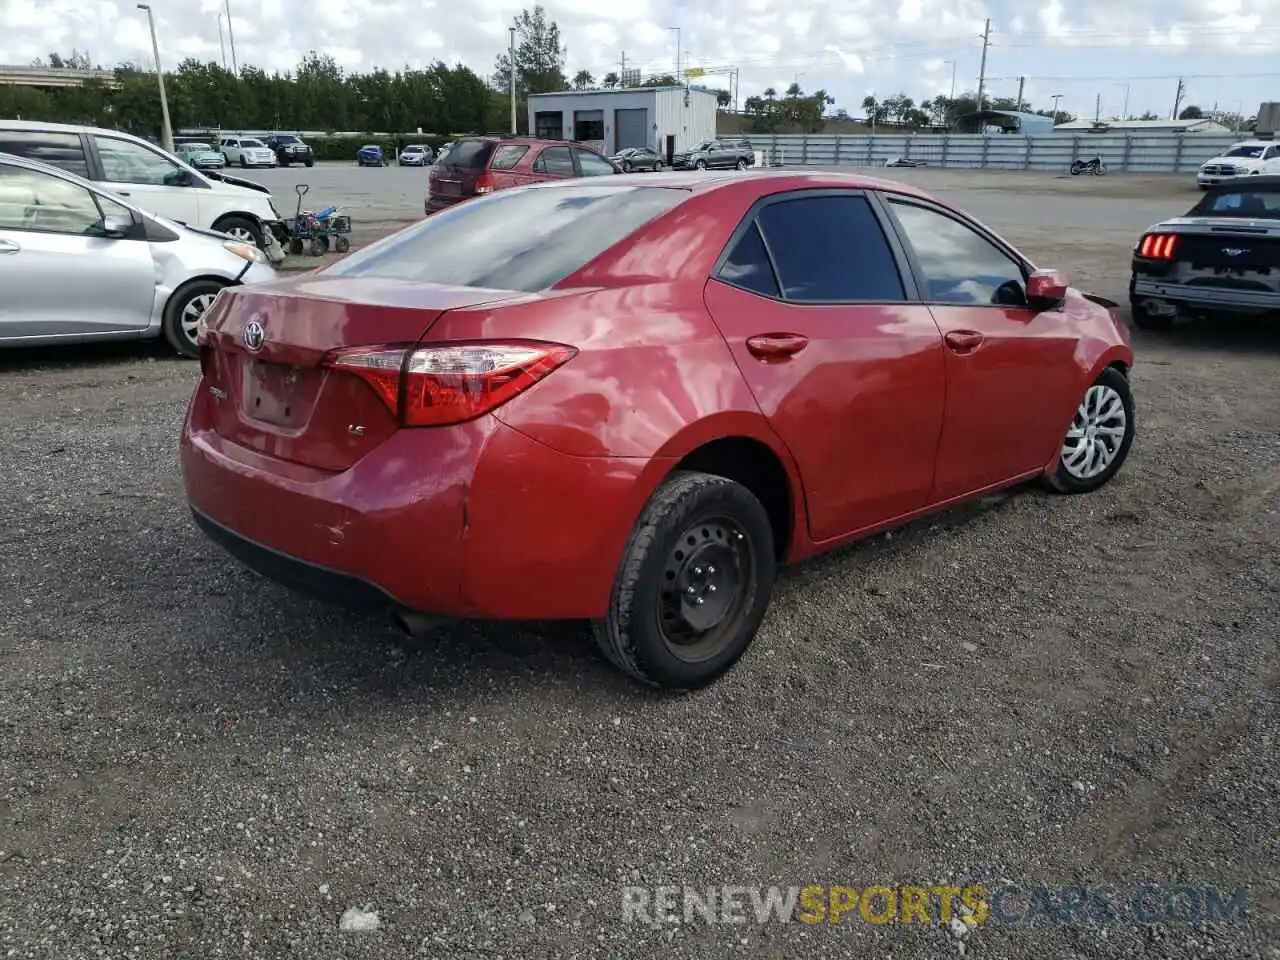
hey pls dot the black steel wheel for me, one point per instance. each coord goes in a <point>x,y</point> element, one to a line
<point>694,583</point>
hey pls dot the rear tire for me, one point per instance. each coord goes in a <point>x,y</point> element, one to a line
<point>675,619</point>
<point>341,244</point>
<point>182,314</point>
<point>1097,442</point>
<point>1076,167</point>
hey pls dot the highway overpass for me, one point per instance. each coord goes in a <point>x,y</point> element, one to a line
<point>14,76</point>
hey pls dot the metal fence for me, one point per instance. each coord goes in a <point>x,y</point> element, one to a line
<point>1139,153</point>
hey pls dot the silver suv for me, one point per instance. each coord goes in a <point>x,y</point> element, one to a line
<point>722,153</point>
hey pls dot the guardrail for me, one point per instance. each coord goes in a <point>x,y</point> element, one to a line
<point>1137,153</point>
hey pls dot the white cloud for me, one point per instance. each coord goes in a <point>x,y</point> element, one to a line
<point>836,46</point>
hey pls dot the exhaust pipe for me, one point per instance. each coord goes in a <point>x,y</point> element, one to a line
<point>414,624</point>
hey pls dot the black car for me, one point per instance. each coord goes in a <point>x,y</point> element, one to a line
<point>290,149</point>
<point>638,158</point>
<point>1223,255</point>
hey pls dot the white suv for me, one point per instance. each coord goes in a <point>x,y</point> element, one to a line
<point>248,152</point>
<point>1242,160</point>
<point>152,179</point>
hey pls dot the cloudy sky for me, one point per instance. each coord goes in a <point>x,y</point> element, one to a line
<point>1080,48</point>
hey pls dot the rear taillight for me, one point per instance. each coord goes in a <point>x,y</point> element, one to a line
<point>484,183</point>
<point>1158,246</point>
<point>430,386</point>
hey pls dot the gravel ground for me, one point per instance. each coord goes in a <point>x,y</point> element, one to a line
<point>1083,690</point>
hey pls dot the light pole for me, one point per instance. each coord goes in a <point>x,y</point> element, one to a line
<point>1057,98</point>
<point>221,43</point>
<point>511,81</point>
<point>677,32</point>
<point>952,98</point>
<point>1124,113</point>
<point>231,39</point>
<point>167,133</point>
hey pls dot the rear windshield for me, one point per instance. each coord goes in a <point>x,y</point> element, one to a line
<point>471,154</point>
<point>1238,203</point>
<point>523,240</point>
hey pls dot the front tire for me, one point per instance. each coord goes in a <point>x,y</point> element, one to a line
<point>700,165</point>
<point>1098,440</point>
<point>243,229</point>
<point>694,583</point>
<point>183,312</point>
<point>741,164</point>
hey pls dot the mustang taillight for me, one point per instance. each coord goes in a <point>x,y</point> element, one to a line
<point>1158,246</point>
<point>434,385</point>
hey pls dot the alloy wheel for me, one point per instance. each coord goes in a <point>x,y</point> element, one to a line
<point>193,311</point>
<point>1096,434</point>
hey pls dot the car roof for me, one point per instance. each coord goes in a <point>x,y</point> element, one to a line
<point>780,180</point>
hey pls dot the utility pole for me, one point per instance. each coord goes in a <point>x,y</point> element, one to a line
<point>1057,99</point>
<point>622,82</point>
<point>511,82</point>
<point>1097,110</point>
<point>1021,83</point>
<point>222,43</point>
<point>166,134</point>
<point>982,70</point>
<point>1177,99</point>
<point>231,39</point>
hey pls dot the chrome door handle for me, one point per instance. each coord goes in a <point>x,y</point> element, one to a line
<point>8,246</point>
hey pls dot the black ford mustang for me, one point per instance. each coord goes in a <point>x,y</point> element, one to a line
<point>1223,255</point>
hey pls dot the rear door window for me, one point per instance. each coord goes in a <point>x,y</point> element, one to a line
<point>748,265</point>
<point>555,161</point>
<point>513,239</point>
<point>830,248</point>
<point>507,156</point>
<point>63,150</point>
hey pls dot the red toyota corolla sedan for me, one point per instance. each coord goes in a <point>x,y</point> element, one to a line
<point>628,400</point>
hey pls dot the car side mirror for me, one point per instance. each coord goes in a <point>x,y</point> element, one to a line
<point>117,227</point>
<point>1046,289</point>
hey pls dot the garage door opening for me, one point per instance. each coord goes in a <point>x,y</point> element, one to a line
<point>588,124</point>
<point>548,125</point>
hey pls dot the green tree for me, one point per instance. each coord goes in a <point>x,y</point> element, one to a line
<point>540,57</point>
<point>1191,112</point>
<point>583,80</point>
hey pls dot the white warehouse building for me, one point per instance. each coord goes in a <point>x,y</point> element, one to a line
<point>666,119</point>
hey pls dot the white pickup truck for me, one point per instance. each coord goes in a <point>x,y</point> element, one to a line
<point>1242,160</point>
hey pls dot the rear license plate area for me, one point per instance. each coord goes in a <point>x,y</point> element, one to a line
<point>275,393</point>
<point>450,188</point>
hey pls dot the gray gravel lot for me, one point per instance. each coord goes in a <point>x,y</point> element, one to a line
<point>195,762</point>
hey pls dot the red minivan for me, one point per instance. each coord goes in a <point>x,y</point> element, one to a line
<point>475,166</point>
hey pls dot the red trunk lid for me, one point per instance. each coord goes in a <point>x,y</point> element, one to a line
<point>279,399</point>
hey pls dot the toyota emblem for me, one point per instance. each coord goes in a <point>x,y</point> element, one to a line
<point>254,336</point>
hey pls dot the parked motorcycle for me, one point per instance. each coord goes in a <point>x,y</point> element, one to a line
<point>1094,166</point>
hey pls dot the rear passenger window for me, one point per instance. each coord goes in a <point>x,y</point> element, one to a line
<point>504,158</point>
<point>555,160</point>
<point>59,149</point>
<point>830,248</point>
<point>748,265</point>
